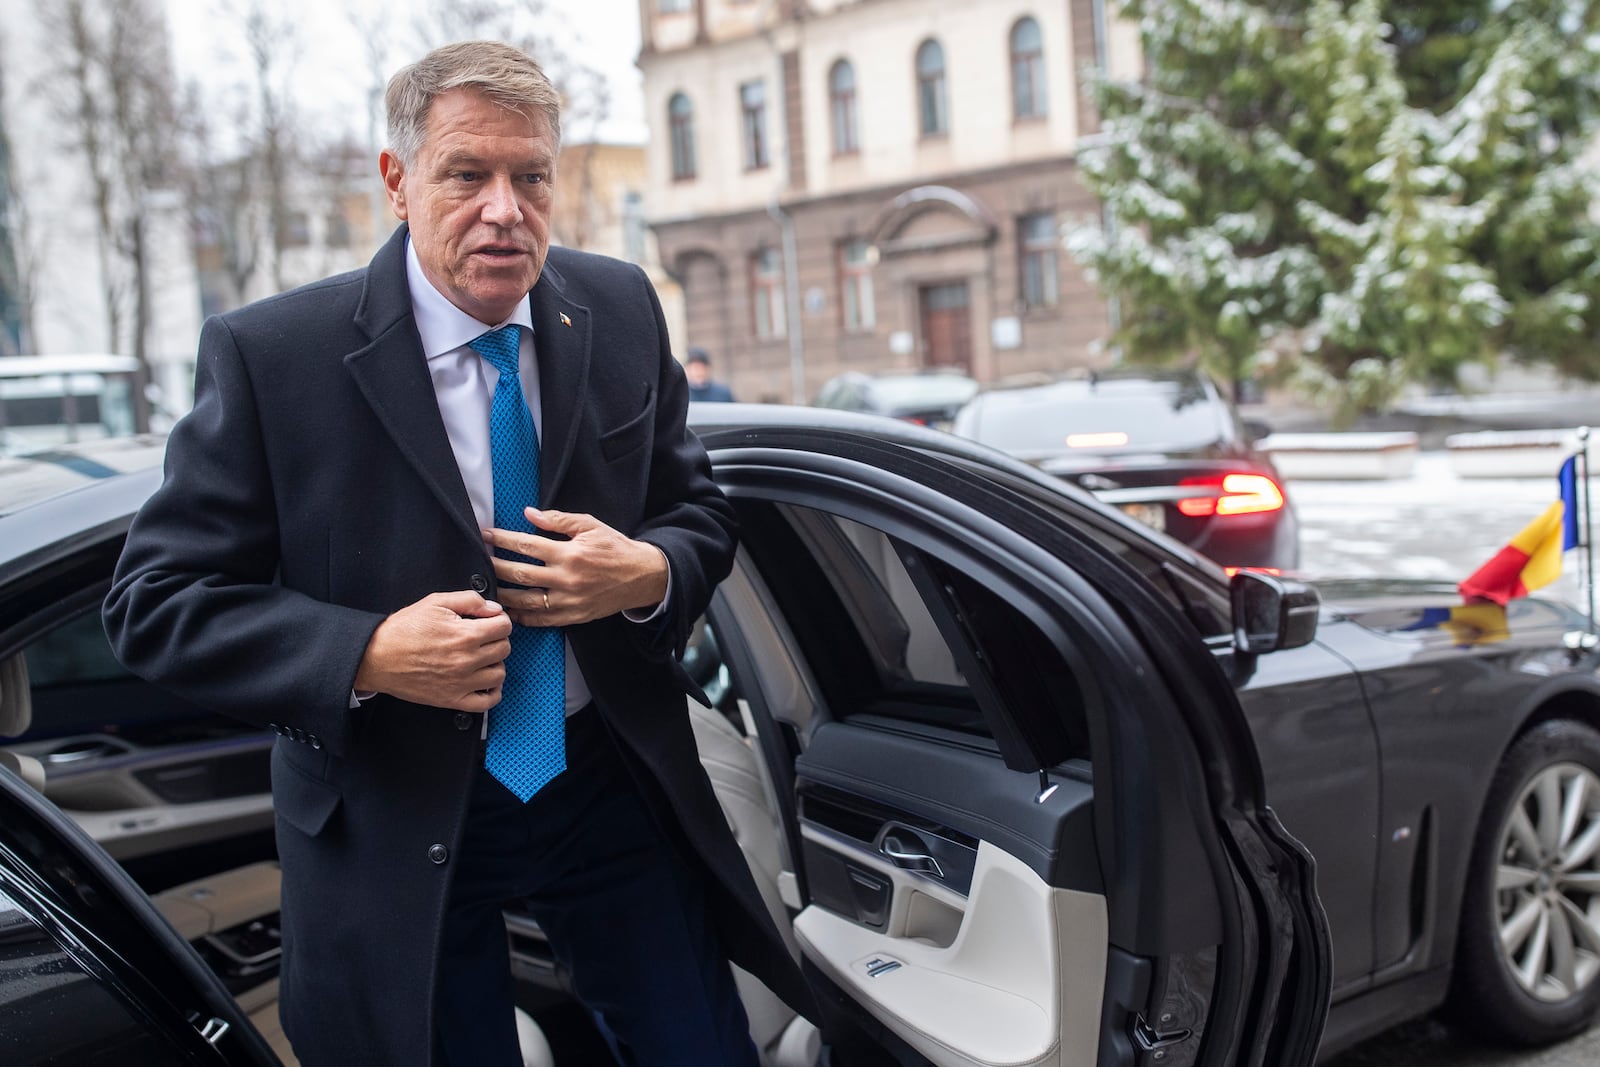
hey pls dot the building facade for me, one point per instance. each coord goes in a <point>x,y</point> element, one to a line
<point>873,184</point>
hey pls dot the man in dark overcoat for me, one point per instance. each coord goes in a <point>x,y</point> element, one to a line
<point>339,553</point>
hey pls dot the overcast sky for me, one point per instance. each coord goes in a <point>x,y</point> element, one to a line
<point>331,68</point>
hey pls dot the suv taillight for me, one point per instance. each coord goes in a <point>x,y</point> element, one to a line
<point>1236,494</point>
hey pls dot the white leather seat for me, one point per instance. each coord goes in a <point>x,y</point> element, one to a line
<point>783,1038</point>
<point>16,715</point>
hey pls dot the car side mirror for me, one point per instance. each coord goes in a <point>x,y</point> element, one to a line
<point>1256,429</point>
<point>1272,613</point>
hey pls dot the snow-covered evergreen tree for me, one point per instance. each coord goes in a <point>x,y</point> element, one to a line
<point>1372,193</point>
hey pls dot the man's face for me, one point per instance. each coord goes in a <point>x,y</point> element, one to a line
<point>478,199</point>
<point>698,373</point>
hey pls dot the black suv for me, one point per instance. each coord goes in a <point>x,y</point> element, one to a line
<point>1165,446</point>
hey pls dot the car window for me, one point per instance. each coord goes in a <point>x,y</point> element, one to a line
<point>1102,415</point>
<point>883,643</point>
<point>74,653</point>
<point>1203,602</point>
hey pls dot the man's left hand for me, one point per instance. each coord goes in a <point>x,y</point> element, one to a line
<point>594,573</point>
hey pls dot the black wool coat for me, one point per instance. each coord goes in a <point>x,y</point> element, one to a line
<point>312,491</point>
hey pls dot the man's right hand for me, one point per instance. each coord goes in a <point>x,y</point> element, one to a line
<point>447,650</point>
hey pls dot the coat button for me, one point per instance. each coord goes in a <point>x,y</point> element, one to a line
<point>479,583</point>
<point>464,720</point>
<point>438,853</point>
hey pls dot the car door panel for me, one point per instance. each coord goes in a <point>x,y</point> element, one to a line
<point>1310,719</point>
<point>981,960</point>
<point>1064,887</point>
<point>1020,983</point>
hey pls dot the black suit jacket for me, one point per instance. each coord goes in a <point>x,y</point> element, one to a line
<point>312,491</point>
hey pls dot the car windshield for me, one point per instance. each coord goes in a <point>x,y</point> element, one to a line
<point>1097,415</point>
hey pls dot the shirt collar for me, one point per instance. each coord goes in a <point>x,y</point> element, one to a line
<point>442,326</point>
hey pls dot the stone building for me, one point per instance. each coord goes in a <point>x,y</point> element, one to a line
<point>872,184</point>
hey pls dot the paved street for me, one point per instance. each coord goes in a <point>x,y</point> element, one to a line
<point>1432,525</point>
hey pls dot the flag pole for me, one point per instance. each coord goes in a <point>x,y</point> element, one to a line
<point>1588,524</point>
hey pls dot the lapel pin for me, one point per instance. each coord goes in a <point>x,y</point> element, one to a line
<point>564,320</point>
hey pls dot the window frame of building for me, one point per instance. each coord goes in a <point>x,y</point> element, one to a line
<point>338,232</point>
<point>635,235</point>
<point>858,311</point>
<point>753,124</point>
<point>674,7</point>
<point>842,108</point>
<point>933,104</point>
<point>1028,85</point>
<point>1039,261</point>
<point>294,230</point>
<point>767,320</point>
<point>680,124</point>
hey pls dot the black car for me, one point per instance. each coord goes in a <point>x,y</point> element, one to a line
<point>983,742</point>
<point>1165,446</point>
<point>1012,811</point>
<point>927,398</point>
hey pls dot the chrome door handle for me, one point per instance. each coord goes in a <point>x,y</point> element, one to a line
<point>900,856</point>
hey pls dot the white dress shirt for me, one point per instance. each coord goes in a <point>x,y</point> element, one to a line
<point>464,382</point>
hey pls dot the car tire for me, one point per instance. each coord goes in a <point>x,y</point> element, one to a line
<point>1527,973</point>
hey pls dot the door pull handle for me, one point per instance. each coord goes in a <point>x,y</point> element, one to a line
<point>901,856</point>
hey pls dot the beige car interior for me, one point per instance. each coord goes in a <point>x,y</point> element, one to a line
<point>1009,972</point>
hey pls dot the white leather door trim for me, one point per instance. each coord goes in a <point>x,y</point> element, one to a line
<point>1021,984</point>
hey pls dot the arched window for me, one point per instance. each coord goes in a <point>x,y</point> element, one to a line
<point>1027,70</point>
<point>930,89</point>
<point>680,116</point>
<point>842,106</point>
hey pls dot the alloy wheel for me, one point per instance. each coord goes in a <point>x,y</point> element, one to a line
<point>1547,884</point>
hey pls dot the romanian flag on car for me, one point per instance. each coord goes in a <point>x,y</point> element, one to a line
<point>1533,558</point>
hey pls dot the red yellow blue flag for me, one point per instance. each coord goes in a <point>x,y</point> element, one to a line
<point>1533,558</point>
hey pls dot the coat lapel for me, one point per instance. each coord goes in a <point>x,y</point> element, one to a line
<point>561,336</point>
<point>392,374</point>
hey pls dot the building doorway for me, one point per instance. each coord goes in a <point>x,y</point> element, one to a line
<point>946,326</point>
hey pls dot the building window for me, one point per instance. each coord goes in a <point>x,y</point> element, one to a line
<point>1039,241</point>
<point>295,230</point>
<point>339,235</point>
<point>633,229</point>
<point>766,293</point>
<point>842,96</point>
<point>673,7</point>
<point>680,116</point>
<point>930,89</point>
<point>1027,70</point>
<point>855,286</point>
<point>753,107</point>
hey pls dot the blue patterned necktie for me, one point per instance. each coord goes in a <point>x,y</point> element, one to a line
<point>527,729</point>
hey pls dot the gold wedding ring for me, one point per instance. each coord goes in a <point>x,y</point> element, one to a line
<point>546,599</point>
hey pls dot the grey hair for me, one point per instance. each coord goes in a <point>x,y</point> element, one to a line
<point>506,75</point>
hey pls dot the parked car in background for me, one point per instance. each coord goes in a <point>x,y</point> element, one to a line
<point>51,400</point>
<point>1165,446</point>
<point>927,398</point>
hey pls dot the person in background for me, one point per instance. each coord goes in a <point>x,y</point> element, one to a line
<point>439,525</point>
<point>701,386</point>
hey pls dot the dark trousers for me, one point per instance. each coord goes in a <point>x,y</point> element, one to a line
<point>622,911</point>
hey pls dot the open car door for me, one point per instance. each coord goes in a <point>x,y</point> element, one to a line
<point>1023,813</point>
<point>90,972</point>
